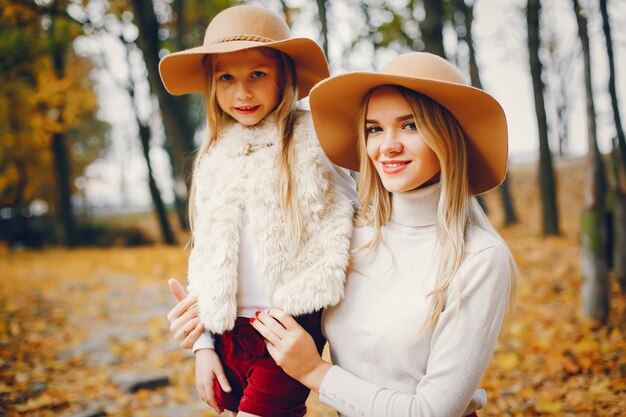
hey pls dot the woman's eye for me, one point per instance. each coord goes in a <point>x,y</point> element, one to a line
<point>225,77</point>
<point>410,126</point>
<point>258,74</point>
<point>373,129</point>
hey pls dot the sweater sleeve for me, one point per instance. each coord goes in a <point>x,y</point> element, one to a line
<point>341,180</point>
<point>461,347</point>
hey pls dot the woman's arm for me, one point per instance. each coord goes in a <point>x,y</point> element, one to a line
<point>462,345</point>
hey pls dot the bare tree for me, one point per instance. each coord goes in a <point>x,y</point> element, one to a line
<point>322,6</point>
<point>145,137</point>
<point>606,27</point>
<point>60,43</point>
<point>619,203</point>
<point>431,27</point>
<point>546,171</point>
<point>594,227</point>
<point>465,33</point>
<point>179,129</point>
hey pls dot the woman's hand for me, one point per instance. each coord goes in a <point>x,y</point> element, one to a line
<point>185,324</point>
<point>292,347</point>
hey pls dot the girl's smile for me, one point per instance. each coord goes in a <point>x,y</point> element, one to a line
<point>245,110</point>
<point>394,144</point>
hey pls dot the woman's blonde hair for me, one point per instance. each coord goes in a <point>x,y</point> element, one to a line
<point>457,207</point>
<point>285,114</point>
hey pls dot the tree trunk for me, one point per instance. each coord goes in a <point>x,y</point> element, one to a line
<point>144,137</point>
<point>157,201</point>
<point>619,239</point>
<point>510,217</point>
<point>468,18</point>
<point>546,171</point>
<point>431,27</point>
<point>594,226</point>
<point>593,265</point>
<point>606,27</point>
<point>60,151</point>
<point>174,110</point>
<point>322,6</point>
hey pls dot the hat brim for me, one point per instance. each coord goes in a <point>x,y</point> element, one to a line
<point>183,73</point>
<point>335,104</point>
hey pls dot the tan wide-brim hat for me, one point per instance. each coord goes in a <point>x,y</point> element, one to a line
<point>335,104</point>
<point>235,29</point>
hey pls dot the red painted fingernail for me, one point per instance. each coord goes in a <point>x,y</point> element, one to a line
<point>257,314</point>
<point>252,319</point>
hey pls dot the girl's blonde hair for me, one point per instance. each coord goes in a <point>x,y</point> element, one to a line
<point>457,207</point>
<point>285,114</point>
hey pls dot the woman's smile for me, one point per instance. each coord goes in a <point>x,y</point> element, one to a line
<point>394,167</point>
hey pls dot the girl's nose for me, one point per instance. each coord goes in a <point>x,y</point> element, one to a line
<point>390,144</point>
<point>243,92</point>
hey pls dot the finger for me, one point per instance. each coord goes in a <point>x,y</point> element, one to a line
<point>210,399</point>
<point>283,318</point>
<point>276,326</point>
<point>180,308</point>
<point>189,338</point>
<point>265,331</point>
<point>177,290</point>
<point>185,321</point>
<point>223,381</point>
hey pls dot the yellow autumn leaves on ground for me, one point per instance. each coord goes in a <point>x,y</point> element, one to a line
<point>73,321</point>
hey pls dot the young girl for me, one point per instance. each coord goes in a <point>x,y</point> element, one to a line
<point>430,278</point>
<point>269,229</point>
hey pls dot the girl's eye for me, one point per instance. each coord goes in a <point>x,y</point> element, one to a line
<point>257,74</point>
<point>373,129</point>
<point>409,126</point>
<point>225,77</point>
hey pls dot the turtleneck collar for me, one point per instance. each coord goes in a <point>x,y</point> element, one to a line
<point>416,208</point>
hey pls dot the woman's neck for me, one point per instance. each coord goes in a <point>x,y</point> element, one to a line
<point>416,208</point>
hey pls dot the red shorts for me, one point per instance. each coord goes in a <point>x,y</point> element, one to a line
<point>259,386</point>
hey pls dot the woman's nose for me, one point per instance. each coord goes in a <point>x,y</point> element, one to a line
<point>391,144</point>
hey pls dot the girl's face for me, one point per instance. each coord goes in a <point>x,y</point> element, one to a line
<point>394,145</point>
<point>247,86</point>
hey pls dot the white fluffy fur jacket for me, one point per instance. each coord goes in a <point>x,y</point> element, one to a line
<point>299,279</point>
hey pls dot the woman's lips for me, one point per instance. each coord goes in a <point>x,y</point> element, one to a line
<point>246,109</point>
<point>394,167</point>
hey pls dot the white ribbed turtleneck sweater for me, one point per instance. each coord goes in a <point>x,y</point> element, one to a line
<point>384,365</point>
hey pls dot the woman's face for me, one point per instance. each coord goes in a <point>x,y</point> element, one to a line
<point>402,159</point>
<point>247,86</point>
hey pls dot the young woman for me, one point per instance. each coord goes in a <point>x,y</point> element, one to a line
<point>430,278</point>
<point>271,216</point>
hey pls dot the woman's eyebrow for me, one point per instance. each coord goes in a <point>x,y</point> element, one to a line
<point>400,119</point>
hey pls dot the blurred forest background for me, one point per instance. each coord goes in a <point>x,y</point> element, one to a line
<point>94,169</point>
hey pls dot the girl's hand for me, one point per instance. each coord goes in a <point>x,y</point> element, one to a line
<point>292,347</point>
<point>185,324</point>
<point>209,367</point>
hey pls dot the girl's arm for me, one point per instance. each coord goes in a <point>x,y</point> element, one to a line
<point>461,347</point>
<point>185,324</point>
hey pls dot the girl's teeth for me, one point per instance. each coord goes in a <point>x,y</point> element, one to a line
<point>394,165</point>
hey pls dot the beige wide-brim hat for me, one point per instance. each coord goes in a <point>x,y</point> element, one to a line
<point>335,104</point>
<point>235,29</point>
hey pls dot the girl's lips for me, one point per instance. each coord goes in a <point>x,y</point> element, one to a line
<point>394,167</point>
<point>246,109</point>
